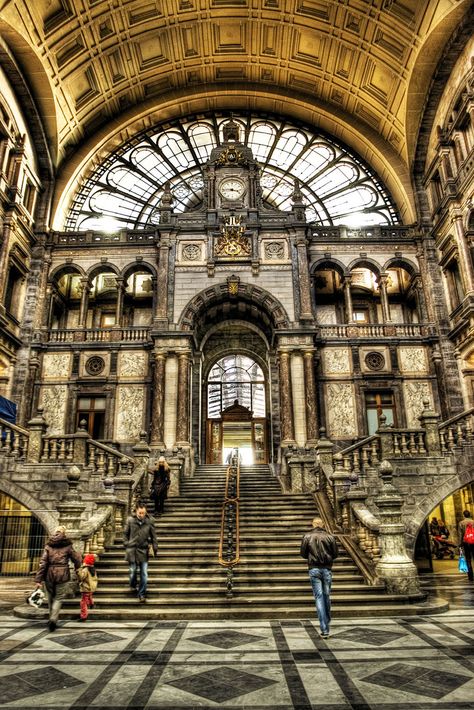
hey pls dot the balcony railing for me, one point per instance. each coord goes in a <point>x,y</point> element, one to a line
<point>98,335</point>
<point>376,330</point>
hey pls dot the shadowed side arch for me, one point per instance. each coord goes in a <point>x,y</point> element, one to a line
<point>437,494</point>
<point>49,519</point>
<point>332,264</point>
<point>249,303</point>
<point>62,269</point>
<point>401,263</point>
<point>364,263</point>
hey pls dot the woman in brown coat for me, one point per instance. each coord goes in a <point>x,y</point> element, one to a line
<point>54,572</point>
<point>160,484</point>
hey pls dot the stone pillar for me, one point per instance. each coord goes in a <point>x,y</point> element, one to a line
<point>465,260</point>
<point>37,427</point>
<point>348,299</point>
<point>286,400</point>
<point>430,422</point>
<point>384,298</point>
<point>71,508</point>
<point>176,464</point>
<point>161,310</point>
<point>395,568</point>
<point>157,428</point>
<point>182,423</point>
<point>310,401</point>
<point>420,299</point>
<point>119,305</point>
<point>86,287</point>
<point>304,281</point>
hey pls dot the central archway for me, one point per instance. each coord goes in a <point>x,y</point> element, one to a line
<point>236,410</point>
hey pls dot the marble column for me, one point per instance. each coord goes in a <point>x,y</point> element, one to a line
<point>348,299</point>
<point>286,400</point>
<point>120,297</point>
<point>382,281</point>
<point>161,304</point>
<point>310,399</point>
<point>420,300</point>
<point>182,423</point>
<point>157,410</point>
<point>86,287</point>
<point>304,280</point>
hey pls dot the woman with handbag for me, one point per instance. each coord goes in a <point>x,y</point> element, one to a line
<point>55,573</point>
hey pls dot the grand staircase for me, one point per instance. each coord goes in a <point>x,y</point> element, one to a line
<point>271,580</point>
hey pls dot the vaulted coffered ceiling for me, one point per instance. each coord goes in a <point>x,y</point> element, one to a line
<point>359,68</point>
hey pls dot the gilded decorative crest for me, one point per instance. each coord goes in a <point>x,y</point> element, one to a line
<point>233,242</point>
<point>231,156</point>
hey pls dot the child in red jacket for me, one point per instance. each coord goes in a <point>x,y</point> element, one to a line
<point>87,584</point>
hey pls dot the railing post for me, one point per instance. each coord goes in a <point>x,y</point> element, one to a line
<point>37,427</point>
<point>175,463</point>
<point>386,439</point>
<point>80,444</point>
<point>430,422</point>
<point>395,568</point>
<point>71,507</point>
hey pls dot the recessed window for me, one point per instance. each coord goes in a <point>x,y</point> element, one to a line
<point>378,404</point>
<point>92,411</point>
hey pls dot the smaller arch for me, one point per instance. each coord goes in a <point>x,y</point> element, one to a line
<point>402,263</point>
<point>137,266</point>
<point>103,268</point>
<point>64,269</point>
<point>49,519</point>
<point>332,264</point>
<point>364,263</point>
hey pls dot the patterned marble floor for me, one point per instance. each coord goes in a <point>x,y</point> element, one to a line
<point>367,664</point>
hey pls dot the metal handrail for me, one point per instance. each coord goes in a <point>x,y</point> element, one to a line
<point>230,507</point>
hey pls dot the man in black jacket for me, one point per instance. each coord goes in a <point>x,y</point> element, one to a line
<point>320,549</point>
<point>138,534</point>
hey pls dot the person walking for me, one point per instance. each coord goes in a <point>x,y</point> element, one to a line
<point>466,541</point>
<point>88,581</point>
<point>54,572</point>
<point>320,549</point>
<point>139,534</point>
<point>160,484</point>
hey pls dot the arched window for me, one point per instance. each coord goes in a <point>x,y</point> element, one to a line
<point>236,378</point>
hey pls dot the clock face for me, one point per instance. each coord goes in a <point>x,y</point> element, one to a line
<point>232,188</point>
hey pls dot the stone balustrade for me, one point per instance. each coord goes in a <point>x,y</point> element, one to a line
<point>457,432</point>
<point>98,335</point>
<point>374,330</point>
<point>13,439</point>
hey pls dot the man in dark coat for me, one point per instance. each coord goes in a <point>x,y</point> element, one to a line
<point>139,533</point>
<point>320,549</point>
<point>54,572</point>
<point>160,485</point>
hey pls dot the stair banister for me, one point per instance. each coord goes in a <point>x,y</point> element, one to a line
<point>229,542</point>
<point>13,439</point>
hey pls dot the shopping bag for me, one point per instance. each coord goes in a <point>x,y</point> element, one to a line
<point>462,564</point>
<point>36,598</point>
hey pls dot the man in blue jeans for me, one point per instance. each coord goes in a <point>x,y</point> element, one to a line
<point>139,533</point>
<point>320,549</point>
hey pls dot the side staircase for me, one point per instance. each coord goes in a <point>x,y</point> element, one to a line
<point>271,579</point>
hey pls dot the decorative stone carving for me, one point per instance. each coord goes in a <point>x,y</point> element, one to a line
<point>336,361</point>
<point>274,250</point>
<point>414,393</point>
<point>130,405</point>
<point>375,361</point>
<point>326,315</point>
<point>53,401</point>
<point>95,365</point>
<point>132,364</point>
<point>413,360</point>
<point>191,252</point>
<point>57,365</point>
<point>341,413</point>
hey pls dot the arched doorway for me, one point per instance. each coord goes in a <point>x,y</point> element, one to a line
<point>236,411</point>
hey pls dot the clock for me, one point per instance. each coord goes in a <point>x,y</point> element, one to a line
<point>232,189</point>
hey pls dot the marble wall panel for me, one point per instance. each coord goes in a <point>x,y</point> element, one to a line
<point>326,315</point>
<point>340,410</point>
<point>299,414</point>
<point>129,412</point>
<point>413,359</point>
<point>336,361</point>
<point>132,363</point>
<point>57,365</point>
<point>171,400</point>
<point>414,392</point>
<point>53,399</point>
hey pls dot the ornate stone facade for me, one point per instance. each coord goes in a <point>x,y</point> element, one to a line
<point>341,411</point>
<point>415,393</point>
<point>129,413</point>
<point>53,400</point>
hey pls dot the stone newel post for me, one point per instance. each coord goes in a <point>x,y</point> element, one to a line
<point>395,568</point>
<point>37,427</point>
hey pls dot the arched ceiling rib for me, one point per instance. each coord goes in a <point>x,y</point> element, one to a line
<point>102,58</point>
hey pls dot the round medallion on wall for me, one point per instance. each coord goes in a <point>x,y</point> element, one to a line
<point>192,252</point>
<point>375,361</point>
<point>95,365</point>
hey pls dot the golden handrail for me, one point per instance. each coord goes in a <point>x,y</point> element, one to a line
<point>231,504</point>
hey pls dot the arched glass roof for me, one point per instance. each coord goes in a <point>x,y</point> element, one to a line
<point>125,191</point>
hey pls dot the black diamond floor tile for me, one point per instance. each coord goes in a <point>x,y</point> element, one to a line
<point>42,680</point>
<point>226,639</point>
<point>419,680</point>
<point>374,637</point>
<point>91,638</point>
<point>306,656</point>
<point>221,684</point>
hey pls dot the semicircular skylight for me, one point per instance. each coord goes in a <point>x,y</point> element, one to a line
<point>125,191</point>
